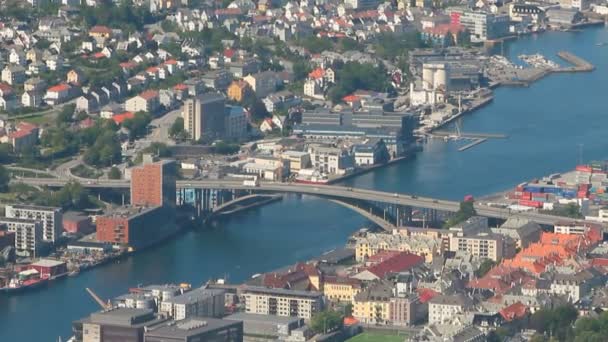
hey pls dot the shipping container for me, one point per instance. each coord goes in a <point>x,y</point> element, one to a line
<point>534,204</point>
<point>583,168</point>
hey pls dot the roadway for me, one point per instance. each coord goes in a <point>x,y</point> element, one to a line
<point>331,191</point>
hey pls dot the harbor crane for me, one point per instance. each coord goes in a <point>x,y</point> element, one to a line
<point>104,305</point>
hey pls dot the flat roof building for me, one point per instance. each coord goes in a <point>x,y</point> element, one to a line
<point>197,329</point>
<point>51,218</point>
<point>282,302</point>
<point>198,302</point>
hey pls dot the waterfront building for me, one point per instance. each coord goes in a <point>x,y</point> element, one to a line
<point>282,302</point>
<point>153,183</point>
<point>370,153</point>
<point>443,308</point>
<point>28,235</point>
<point>204,116</point>
<point>482,25</point>
<point>135,226</point>
<point>297,160</point>
<point>117,324</point>
<point>198,302</point>
<point>569,227</point>
<point>48,268</point>
<point>50,217</point>
<point>196,329</point>
<point>330,160</point>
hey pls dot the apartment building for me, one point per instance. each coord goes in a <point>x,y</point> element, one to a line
<point>282,302</point>
<point>341,288</point>
<point>50,217</point>
<point>443,308</point>
<point>330,160</point>
<point>483,245</point>
<point>198,302</point>
<point>28,235</point>
<point>148,101</point>
<point>204,116</point>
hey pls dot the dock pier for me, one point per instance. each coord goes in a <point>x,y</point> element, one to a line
<point>471,144</point>
<point>580,65</point>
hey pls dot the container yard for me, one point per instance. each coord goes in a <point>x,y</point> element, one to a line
<point>584,188</point>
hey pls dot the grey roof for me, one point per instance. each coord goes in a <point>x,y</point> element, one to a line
<point>250,317</point>
<point>189,327</point>
<point>457,299</point>
<point>211,97</point>
<point>122,316</point>
<point>33,207</point>
<point>195,296</point>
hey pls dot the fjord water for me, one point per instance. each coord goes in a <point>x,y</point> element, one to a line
<point>548,125</point>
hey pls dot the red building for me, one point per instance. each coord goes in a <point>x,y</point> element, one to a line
<point>153,184</point>
<point>50,268</point>
<point>135,226</point>
<point>77,223</point>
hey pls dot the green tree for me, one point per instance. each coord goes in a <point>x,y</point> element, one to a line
<point>326,321</point>
<point>66,115</point>
<point>177,128</point>
<point>466,211</point>
<point>114,173</point>
<point>4,179</point>
<point>222,147</point>
<point>138,125</point>
<point>6,153</point>
<point>485,266</point>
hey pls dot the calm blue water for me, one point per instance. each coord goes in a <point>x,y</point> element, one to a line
<point>545,123</point>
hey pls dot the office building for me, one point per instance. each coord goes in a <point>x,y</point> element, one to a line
<point>153,183</point>
<point>50,217</point>
<point>197,329</point>
<point>235,123</point>
<point>482,25</point>
<point>204,116</point>
<point>118,324</point>
<point>198,302</point>
<point>28,235</point>
<point>282,302</point>
<point>330,160</point>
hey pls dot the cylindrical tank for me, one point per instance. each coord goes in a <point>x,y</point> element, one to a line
<point>440,79</point>
<point>427,77</point>
<point>144,303</point>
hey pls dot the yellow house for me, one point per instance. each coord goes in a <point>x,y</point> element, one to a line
<point>424,245</point>
<point>372,305</point>
<point>341,289</point>
<point>238,90</point>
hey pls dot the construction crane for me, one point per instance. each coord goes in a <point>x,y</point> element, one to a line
<point>104,305</point>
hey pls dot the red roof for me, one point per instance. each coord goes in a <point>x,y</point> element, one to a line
<point>99,55</point>
<point>400,262</point>
<point>426,294</point>
<point>599,262</point>
<point>228,11</point>
<point>152,69</point>
<point>317,73</point>
<point>350,98</point>
<point>19,134</point>
<point>228,53</point>
<point>350,320</point>
<point>444,29</point>
<point>58,88</point>
<point>180,86</point>
<point>119,118</point>
<point>101,29</point>
<point>128,65</point>
<point>149,94</point>
<point>170,62</point>
<point>514,311</point>
<point>5,88</point>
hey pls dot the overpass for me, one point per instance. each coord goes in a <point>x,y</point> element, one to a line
<point>334,192</point>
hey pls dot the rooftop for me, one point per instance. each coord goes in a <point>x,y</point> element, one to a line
<point>195,296</point>
<point>282,292</point>
<point>48,263</point>
<point>188,327</point>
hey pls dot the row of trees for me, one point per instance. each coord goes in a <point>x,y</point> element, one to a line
<point>354,75</point>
